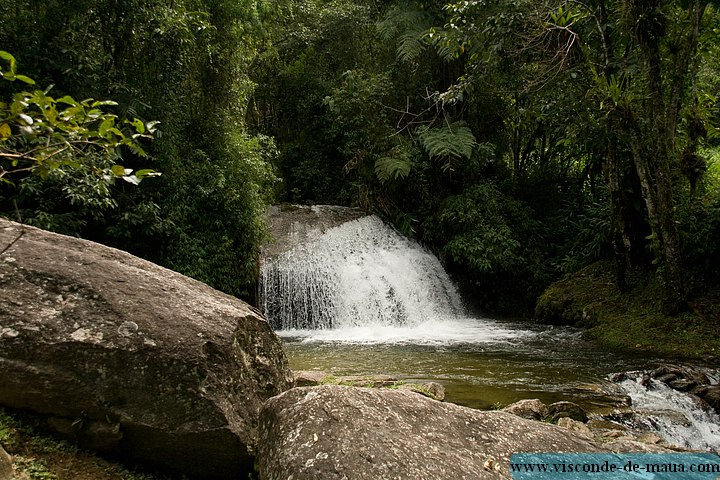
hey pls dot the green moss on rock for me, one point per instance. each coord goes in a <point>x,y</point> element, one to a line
<point>632,320</point>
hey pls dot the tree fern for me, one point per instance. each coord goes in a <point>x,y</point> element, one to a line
<point>450,141</point>
<point>395,165</point>
<point>406,24</point>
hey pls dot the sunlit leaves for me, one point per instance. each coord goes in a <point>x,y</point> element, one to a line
<point>40,134</point>
<point>9,72</point>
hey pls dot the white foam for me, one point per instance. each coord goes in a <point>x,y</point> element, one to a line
<point>432,332</point>
<point>361,274</point>
<point>674,416</point>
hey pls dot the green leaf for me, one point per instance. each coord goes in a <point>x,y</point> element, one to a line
<point>392,167</point>
<point>106,125</point>
<point>449,141</point>
<point>138,124</point>
<point>118,170</point>
<point>99,103</point>
<point>147,172</point>
<point>116,132</point>
<point>68,100</point>
<point>11,60</point>
<point>25,79</point>
<point>5,131</point>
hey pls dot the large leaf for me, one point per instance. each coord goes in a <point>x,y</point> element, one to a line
<point>392,167</point>
<point>454,140</point>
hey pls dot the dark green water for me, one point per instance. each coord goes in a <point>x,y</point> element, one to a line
<point>479,367</point>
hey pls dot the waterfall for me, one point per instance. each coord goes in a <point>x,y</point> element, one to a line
<point>356,274</point>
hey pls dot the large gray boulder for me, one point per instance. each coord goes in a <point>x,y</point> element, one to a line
<point>336,432</point>
<point>6,467</point>
<point>130,357</point>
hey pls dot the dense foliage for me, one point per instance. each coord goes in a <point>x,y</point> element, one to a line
<point>184,64</point>
<point>518,139</point>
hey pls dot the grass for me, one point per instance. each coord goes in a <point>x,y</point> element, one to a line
<point>633,320</point>
<point>37,456</point>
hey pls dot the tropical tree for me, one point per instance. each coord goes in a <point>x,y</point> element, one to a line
<point>74,143</point>
<point>184,63</point>
<point>632,66</point>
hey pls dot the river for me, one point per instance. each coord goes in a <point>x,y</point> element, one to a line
<point>357,298</point>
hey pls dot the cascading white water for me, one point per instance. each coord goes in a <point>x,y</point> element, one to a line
<point>363,299</point>
<point>359,273</point>
<point>675,416</point>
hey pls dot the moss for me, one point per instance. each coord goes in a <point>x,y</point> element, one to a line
<point>632,320</point>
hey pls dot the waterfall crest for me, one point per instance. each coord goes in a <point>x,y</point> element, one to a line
<point>359,273</point>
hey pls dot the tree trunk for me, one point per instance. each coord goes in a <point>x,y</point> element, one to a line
<point>656,157</point>
<point>622,243</point>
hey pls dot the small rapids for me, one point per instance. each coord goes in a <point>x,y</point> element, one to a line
<point>350,296</point>
<point>677,417</point>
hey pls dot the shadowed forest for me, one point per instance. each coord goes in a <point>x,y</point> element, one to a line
<point>521,141</point>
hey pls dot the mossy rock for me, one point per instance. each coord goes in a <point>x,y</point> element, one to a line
<point>632,320</point>
<point>574,299</point>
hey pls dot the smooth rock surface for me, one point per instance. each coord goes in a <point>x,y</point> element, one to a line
<point>133,358</point>
<point>559,410</point>
<point>432,390</point>
<point>336,432</point>
<point>532,409</point>
<point>6,467</point>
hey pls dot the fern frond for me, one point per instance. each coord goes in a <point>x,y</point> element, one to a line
<point>410,45</point>
<point>397,164</point>
<point>455,140</point>
<point>406,25</point>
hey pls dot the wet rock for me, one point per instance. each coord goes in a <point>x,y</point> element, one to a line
<point>668,372</point>
<point>629,444</point>
<point>573,425</point>
<point>667,378</point>
<point>131,357</point>
<point>432,390</point>
<point>711,395</point>
<point>559,410</point>
<point>682,385</point>
<point>335,432</point>
<point>603,397</point>
<point>6,467</point>
<point>602,424</point>
<point>532,409</point>
<point>308,378</point>
<point>291,225</point>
